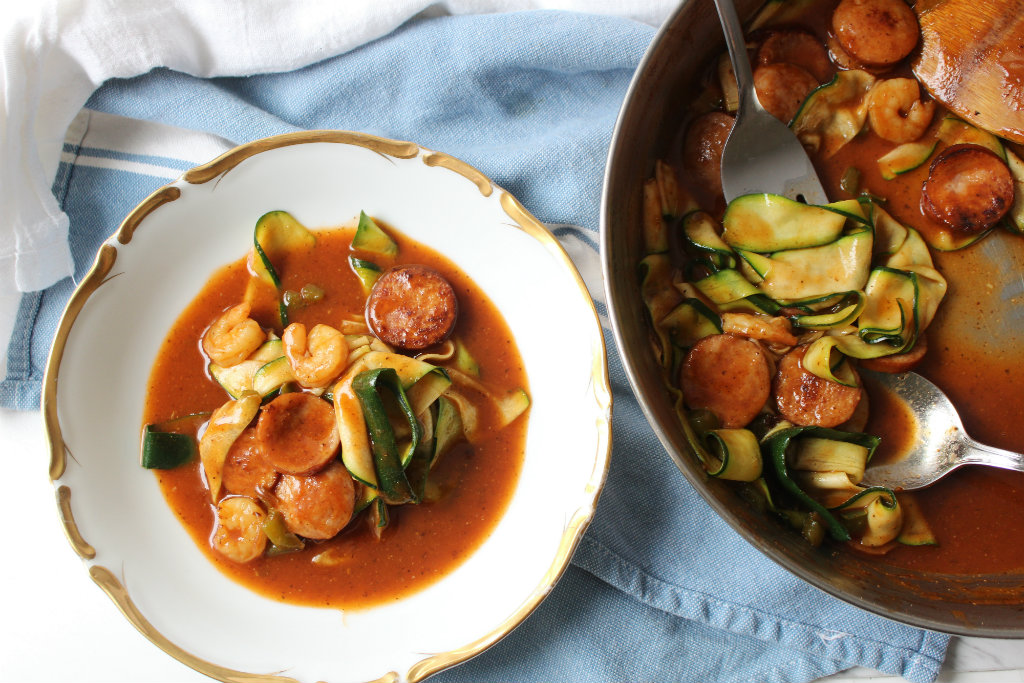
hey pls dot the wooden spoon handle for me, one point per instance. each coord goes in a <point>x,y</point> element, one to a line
<point>972,60</point>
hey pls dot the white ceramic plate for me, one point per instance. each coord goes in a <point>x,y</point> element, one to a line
<point>115,516</point>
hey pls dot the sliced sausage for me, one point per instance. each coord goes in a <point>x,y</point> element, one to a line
<point>412,307</point>
<point>297,433</point>
<point>796,47</point>
<point>319,505</point>
<point>898,362</point>
<point>702,150</point>
<point>805,399</point>
<point>247,472</point>
<point>968,187</point>
<point>782,88</point>
<point>875,32</point>
<point>728,376</point>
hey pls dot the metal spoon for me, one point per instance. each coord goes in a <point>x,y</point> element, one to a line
<point>941,445</point>
<point>761,154</point>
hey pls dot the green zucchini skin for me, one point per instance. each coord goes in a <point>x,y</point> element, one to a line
<point>393,485</point>
<point>366,271</point>
<point>905,158</point>
<point>767,223</point>
<point>171,444</point>
<point>264,377</point>
<point>956,131</point>
<point>277,231</point>
<point>835,112</point>
<point>776,447</point>
<point>166,450</point>
<point>272,377</point>
<point>371,239</point>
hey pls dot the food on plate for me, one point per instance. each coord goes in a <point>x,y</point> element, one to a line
<point>357,407</point>
<point>767,312</point>
<point>412,307</point>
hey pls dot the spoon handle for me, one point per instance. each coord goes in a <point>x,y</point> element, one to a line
<point>737,47</point>
<point>976,453</point>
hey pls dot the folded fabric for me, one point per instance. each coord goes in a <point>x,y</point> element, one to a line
<point>660,587</point>
<point>55,53</point>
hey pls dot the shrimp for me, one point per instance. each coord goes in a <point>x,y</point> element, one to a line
<point>233,336</point>
<point>875,32</point>
<point>315,359</point>
<point>239,534</point>
<point>896,111</point>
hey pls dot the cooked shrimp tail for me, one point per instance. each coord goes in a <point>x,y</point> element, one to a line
<point>239,534</point>
<point>233,336</point>
<point>317,358</point>
<point>896,110</point>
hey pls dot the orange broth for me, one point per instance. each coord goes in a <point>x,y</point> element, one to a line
<point>422,542</point>
<point>974,355</point>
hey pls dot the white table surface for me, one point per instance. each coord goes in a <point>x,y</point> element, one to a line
<point>57,625</point>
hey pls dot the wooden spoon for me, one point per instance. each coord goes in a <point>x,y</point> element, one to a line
<point>972,61</point>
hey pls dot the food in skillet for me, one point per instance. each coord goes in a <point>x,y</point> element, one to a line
<point>765,310</point>
<point>357,384</point>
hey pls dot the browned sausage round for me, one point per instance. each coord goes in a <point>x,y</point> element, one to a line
<point>727,375</point>
<point>782,88</point>
<point>702,150</point>
<point>246,470</point>
<point>898,362</point>
<point>806,399</point>
<point>875,32</point>
<point>796,47</point>
<point>412,307</point>
<point>319,505</point>
<point>968,188</point>
<point>297,432</point>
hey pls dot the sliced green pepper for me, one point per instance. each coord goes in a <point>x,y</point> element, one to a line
<point>282,541</point>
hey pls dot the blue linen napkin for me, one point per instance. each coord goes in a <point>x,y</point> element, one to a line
<point>530,99</point>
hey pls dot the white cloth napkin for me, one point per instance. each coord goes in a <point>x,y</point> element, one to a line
<point>55,53</point>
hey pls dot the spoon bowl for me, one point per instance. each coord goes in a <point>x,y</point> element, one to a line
<point>940,446</point>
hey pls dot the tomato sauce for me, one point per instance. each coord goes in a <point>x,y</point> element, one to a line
<point>974,351</point>
<point>423,542</point>
<point>973,355</point>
